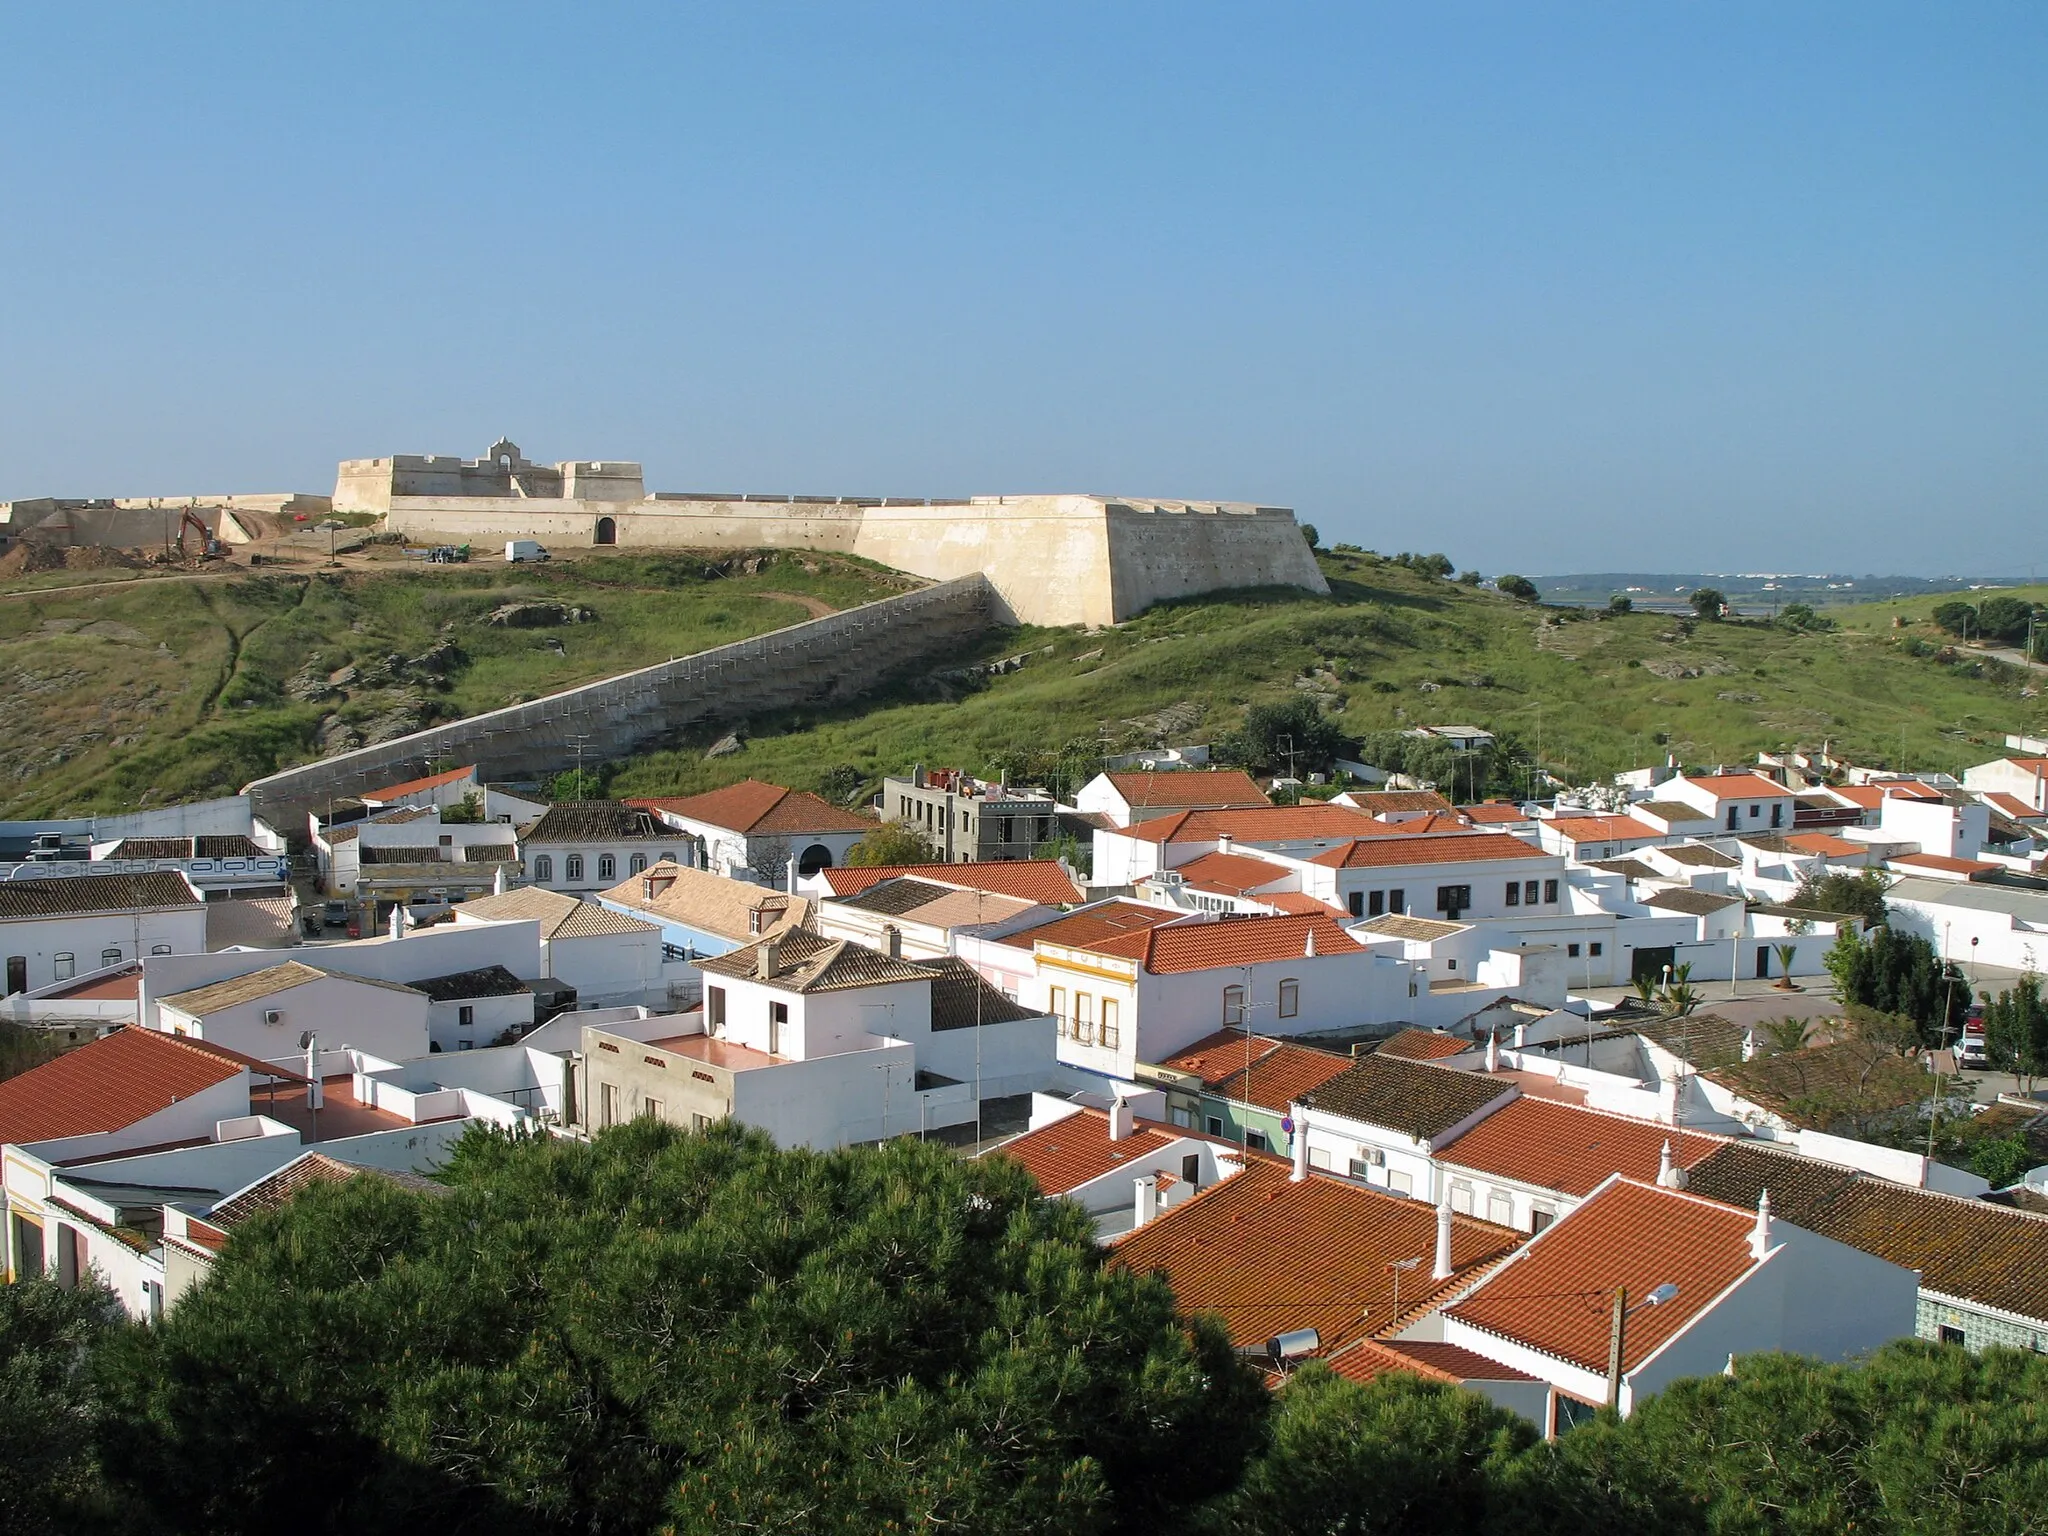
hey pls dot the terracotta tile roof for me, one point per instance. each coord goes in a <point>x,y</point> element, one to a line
<point>110,1083</point>
<point>1381,802</point>
<point>1179,948</point>
<point>1553,1296</point>
<point>706,902</point>
<point>1039,880</point>
<point>807,962</point>
<point>1411,1097</point>
<point>1423,1045</point>
<point>1369,1358</point>
<point>1281,1070</point>
<point>1699,855</point>
<point>268,982</point>
<point>1456,848</point>
<point>590,921</point>
<point>485,981</point>
<point>2012,805</point>
<point>276,1189</point>
<point>1703,1040</point>
<point>1690,902</point>
<point>1632,869</point>
<point>1799,1086</point>
<point>78,895</point>
<point>1189,789</point>
<point>962,997</point>
<point>1738,786</point>
<point>560,916</point>
<point>1070,1152</point>
<point>1267,1255</point>
<point>753,807</point>
<point>1826,845</point>
<point>595,821</point>
<point>1269,824</point>
<point>415,786</point>
<point>1217,1056</point>
<point>1670,810</point>
<point>1492,814</point>
<point>1573,1151</point>
<point>1296,904</point>
<point>941,906</point>
<point>1404,925</point>
<point>1943,862</point>
<point>1234,873</point>
<point>1602,829</point>
<point>223,846</point>
<point>1969,1249</point>
<point>1092,925</point>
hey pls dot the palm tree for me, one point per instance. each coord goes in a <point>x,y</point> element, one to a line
<point>1680,996</point>
<point>1786,953</point>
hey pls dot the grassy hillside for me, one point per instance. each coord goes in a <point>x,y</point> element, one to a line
<point>136,693</point>
<point>1390,648</point>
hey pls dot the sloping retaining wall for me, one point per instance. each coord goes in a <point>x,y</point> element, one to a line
<point>835,657</point>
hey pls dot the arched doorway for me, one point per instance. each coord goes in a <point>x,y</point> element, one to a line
<point>815,858</point>
<point>607,530</point>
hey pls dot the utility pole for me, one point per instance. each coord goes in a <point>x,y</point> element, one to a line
<point>1617,1332</point>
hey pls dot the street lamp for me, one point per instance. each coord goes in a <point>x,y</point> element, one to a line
<point>1619,1331</point>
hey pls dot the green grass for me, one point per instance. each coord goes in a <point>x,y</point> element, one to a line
<point>146,693</point>
<point>1584,688</point>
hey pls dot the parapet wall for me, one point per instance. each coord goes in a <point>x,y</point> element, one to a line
<point>836,657</point>
<point>1156,555</point>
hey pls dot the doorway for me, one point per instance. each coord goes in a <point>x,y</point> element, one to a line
<point>17,974</point>
<point>1651,962</point>
<point>607,530</point>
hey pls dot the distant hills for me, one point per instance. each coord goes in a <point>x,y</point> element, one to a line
<point>1654,589</point>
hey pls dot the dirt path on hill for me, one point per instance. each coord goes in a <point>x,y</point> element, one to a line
<point>816,607</point>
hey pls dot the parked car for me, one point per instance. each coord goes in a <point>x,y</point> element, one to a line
<point>517,550</point>
<point>1970,1051</point>
<point>334,913</point>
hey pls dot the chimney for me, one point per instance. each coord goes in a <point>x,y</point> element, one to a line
<point>1521,1035</point>
<point>892,940</point>
<point>398,920</point>
<point>1122,1119</point>
<point>764,960</point>
<point>1300,1172</point>
<point>1308,950</point>
<point>1667,1174</point>
<point>1148,1200</point>
<point>1492,1051</point>
<point>1760,1237</point>
<point>498,882</point>
<point>1223,842</point>
<point>790,880</point>
<point>1442,1268</point>
<point>316,1093</point>
<point>1667,1101</point>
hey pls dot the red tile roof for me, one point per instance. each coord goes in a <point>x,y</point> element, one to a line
<point>112,1082</point>
<point>1424,1045</point>
<point>2012,805</point>
<point>1826,845</point>
<point>1555,1295</point>
<point>1234,873</point>
<point>1943,862</point>
<point>1381,802</point>
<point>1602,829</point>
<point>1196,946</point>
<point>1738,786</point>
<point>1571,1150</point>
<point>414,786</point>
<point>1189,789</point>
<point>1268,1255</point>
<point>1268,824</point>
<point>1092,925</point>
<point>1296,903</point>
<point>752,806</point>
<point>1070,1152</point>
<point>1281,1070</point>
<point>1040,880</point>
<point>1369,1358</point>
<point>1492,814</point>
<point>1459,848</point>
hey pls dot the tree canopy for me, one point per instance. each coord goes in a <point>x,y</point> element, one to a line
<point>1853,895</point>
<point>2016,1029</point>
<point>1292,733</point>
<point>1708,602</point>
<point>893,842</point>
<point>1899,973</point>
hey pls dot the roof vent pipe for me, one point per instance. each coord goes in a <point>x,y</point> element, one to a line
<point>892,938</point>
<point>1442,1268</point>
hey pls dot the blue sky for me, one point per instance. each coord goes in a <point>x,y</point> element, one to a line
<point>1548,287</point>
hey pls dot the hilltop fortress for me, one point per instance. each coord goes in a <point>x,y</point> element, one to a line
<point>1059,559</point>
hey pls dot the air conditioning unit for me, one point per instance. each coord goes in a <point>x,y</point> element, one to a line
<point>1373,1156</point>
<point>273,1015</point>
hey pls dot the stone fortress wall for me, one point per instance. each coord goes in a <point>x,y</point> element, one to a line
<point>837,657</point>
<point>1059,559</point>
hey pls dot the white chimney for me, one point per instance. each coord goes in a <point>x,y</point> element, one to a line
<point>1300,1147</point>
<point>1123,1120</point>
<point>1492,1051</point>
<point>764,960</point>
<point>398,920</point>
<point>1148,1200</point>
<point>1521,1035</point>
<point>1667,1174</point>
<point>1223,842</point>
<point>1442,1269</point>
<point>1667,1101</point>
<point>1749,1042</point>
<point>316,1093</point>
<point>1760,1237</point>
<point>498,882</point>
<point>1308,950</point>
<point>790,867</point>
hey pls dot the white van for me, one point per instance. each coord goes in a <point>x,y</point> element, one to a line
<point>517,550</point>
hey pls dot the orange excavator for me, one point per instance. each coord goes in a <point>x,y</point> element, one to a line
<point>208,545</point>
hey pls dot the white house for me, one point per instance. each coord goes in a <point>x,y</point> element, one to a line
<point>755,831</point>
<point>53,930</point>
<point>2024,778</point>
<point>608,956</point>
<point>456,787</point>
<point>701,913</point>
<point>587,845</point>
<point>475,1008</point>
<point>1130,798</point>
<point>407,854</point>
<point>1453,876</point>
<point>1125,856</point>
<point>1738,802</point>
<point>1382,1122</point>
<point>271,1013</point>
<point>1975,923</point>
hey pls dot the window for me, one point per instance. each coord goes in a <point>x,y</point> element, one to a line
<point>1731,818</point>
<point>572,866</point>
<point>1256,1140</point>
<point>1500,1209</point>
<point>1399,1183</point>
<point>1755,811</point>
<point>1571,1413</point>
<point>1357,903</point>
<point>1397,901</point>
<point>1777,815</point>
<point>1539,1218</point>
<point>1571,951</point>
<point>1191,1168</point>
<point>1056,1005</point>
<point>1084,1018</point>
<point>778,1020</point>
<point>1461,1199</point>
<point>543,868</point>
<point>447,840</point>
<point>1529,892</point>
<point>651,1107</point>
<point>1181,1116</point>
<point>1214,1124</point>
<point>1290,998</point>
<point>465,1045</point>
<point>1948,1335</point>
<point>1376,903</point>
<point>1514,893</point>
<point>159,949</point>
<point>1111,1034</point>
<point>1319,1157</point>
<point>465,1016</point>
<point>1594,948</point>
<point>607,867</point>
<point>1550,890</point>
<point>1233,1005</point>
<point>607,1105</point>
<point>1358,1168</point>
<point>1452,900</point>
<point>110,957</point>
<point>635,864</point>
<point>66,966</point>
<point>714,1009</point>
<point>699,1123</point>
